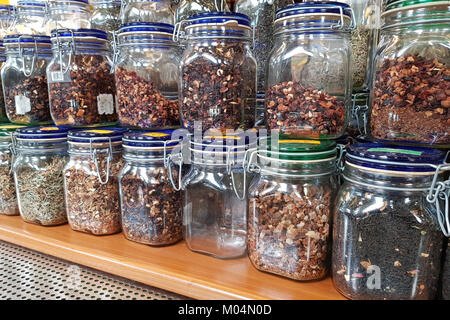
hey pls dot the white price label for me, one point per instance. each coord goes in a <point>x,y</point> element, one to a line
<point>105,104</point>
<point>57,76</point>
<point>23,104</point>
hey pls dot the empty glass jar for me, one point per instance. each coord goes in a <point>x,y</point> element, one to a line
<point>30,18</point>
<point>410,95</point>
<point>218,73</point>
<point>24,79</point>
<point>147,11</point>
<point>387,241</point>
<point>151,209</point>
<point>309,86</point>
<point>290,206</point>
<point>147,74</point>
<point>68,14</point>
<point>38,174</point>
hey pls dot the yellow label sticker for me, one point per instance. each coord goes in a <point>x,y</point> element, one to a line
<point>11,126</point>
<point>100,131</point>
<point>156,134</point>
<point>49,129</point>
<point>300,141</point>
<point>223,137</point>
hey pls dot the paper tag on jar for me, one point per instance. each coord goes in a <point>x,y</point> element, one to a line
<point>58,76</point>
<point>23,104</point>
<point>105,104</point>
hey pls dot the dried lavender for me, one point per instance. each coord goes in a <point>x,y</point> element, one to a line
<point>41,192</point>
<point>359,47</point>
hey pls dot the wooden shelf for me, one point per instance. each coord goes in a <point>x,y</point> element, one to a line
<point>173,268</point>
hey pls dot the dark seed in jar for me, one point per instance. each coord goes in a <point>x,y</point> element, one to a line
<point>289,232</point>
<point>411,100</point>
<point>151,212</point>
<point>27,102</point>
<point>304,111</point>
<point>87,97</point>
<point>141,105</point>
<point>221,94</point>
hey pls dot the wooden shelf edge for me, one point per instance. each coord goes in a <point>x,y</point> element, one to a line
<point>54,241</point>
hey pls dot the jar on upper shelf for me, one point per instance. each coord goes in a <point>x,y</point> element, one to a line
<point>3,117</point>
<point>188,8</point>
<point>217,73</point>
<point>147,11</point>
<point>7,14</point>
<point>387,240</point>
<point>106,15</point>
<point>68,14</point>
<point>147,74</point>
<point>80,83</point>
<point>410,95</point>
<point>30,18</point>
<point>309,85</point>
<point>38,174</point>
<point>24,79</point>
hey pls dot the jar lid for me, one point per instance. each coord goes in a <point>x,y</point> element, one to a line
<point>314,7</point>
<point>68,1</point>
<point>78,34</point>
<point>154,140</point>
<point>220,143</point>
<point>43,134</point>
<point>393,4</point>
<point>28,3</point>
<point>224,18</point>
<point>297,149</point>
<point>144,27</point>
<point>27,40</point>
<point>6,7</point>
<point>394,158</point>
<point>98,135</point>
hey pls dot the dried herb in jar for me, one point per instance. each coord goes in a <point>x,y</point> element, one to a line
<point>8,200</point>
<point>93,207</point>
<point>359,47</point>
<point>88,96</point>
<point>304,111</point>
<point>27,102</point>
<point>221,94</point>
<point>141,105</point>
<point>289,233</point>
<point>411,100</point>
<point>41,192</point>
<point>152,211</point>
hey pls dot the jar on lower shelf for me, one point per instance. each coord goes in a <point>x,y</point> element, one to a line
<point>8,199</point>
<point>91,180</point>
<point>38,174</point>
<point>151,208</point>
<point>3,117</point>
<point>387,242</point>
<point>215,209</point>
<point>446,275</point>
<point>290,205</point>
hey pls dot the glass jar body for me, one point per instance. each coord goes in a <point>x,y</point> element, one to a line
<point>308,88</point>
<point>25,88</point>
<point>218,85</point>
<point>151,209</point>
<point>410,98</point>
<point>40,187</point>
<point>3,117</point>
<point>30,20</point>
<point>188,8</point>
<point>106,17</point>
<point>148,11</point>
<point>8,200</point>
<point>289,225</point>
<point>147,86</point>
<point>215,220</point>
<point>386,244</point>
<point>68,15</point>
<point>84,93</point>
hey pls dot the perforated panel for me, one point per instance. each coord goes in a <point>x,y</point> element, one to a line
<point>26,274</point>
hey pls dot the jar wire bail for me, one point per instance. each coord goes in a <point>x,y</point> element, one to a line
<point>22,55</point>
<point>93,155</point>
<point>59,48</point>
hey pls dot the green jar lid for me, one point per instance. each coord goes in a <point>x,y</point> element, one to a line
<point>7,129</point>
<point>394,4</point>
<point>297,149</point>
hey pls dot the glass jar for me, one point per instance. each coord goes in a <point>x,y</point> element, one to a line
<point>215,210</point>
<point>106,15</point>
<point>24,79</point>
<point>188,8</point>
<point>358,118</point>
<point>80,83</point>
<point>68,14</point>
<point>387,243</point>
<point>362,41</point>
<point>151,209</point>
<point>446,275</point>
<point>410,95</point>
<point>262,15</point>
<point>38,174</point>
<point>91,180</point>
<point>290,204</point>
<point>3,117</point>
<point>308,88</point>
<point>159,11</point>
<point>218,73</point>
<point>147,76</point>
<point>8,200</point>
<point>30,18</point>
<point>7,14</point>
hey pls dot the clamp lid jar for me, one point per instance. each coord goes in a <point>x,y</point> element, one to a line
<point>159,11</point>
<point>6,19</point>
<point>151,208</point>
<point>41,153</point>
<point>106,15</point>
<point>68,14</point>
<point>92,173</point>
<point>387,237</point>
<point>30,18</point>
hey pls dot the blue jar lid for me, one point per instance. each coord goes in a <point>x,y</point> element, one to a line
<point>26,38</point>
<point>79,34</point>
<point>150,142</point>
<point>394,158</point>
<point>97,135</point>
<point>6,7</point>
<point>28,3</point>
<point>43,133</point>
<point>221,143</point>
<point>314,7</point>
<point>219,18</point>
<point>136,27</point>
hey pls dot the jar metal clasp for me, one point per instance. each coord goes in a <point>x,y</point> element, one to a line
<point>93,155</point>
